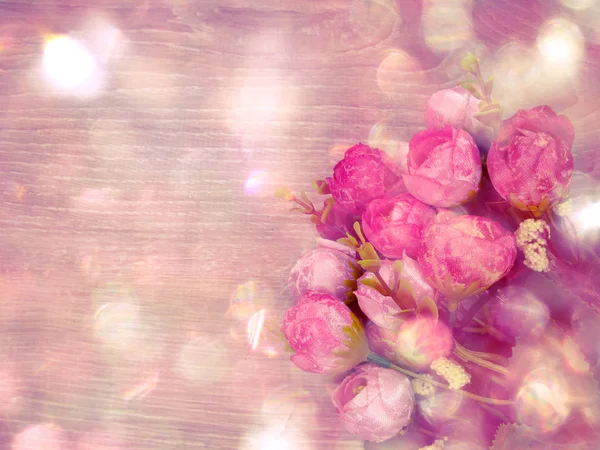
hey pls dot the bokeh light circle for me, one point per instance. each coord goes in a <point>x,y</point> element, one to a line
<point>67,64</point>
<point>542,402</point>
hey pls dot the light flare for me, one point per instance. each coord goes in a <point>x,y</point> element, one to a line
<point>561,42</point>
<point>255,328</point>
<point>68,64</point>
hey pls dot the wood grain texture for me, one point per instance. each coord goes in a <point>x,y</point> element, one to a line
<point>142,187</point>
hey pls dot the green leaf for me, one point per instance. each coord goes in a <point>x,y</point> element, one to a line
<point>470,63</point>
<point>473,89</point>
<point>321,187</point>
<point>427,305</point>
<point>489,117</point>
<point>359,232</point>
<point>367,251</point>
<point>372,283</point>
<point>352,284</point>
<point>328,205</point>
<point>372,265</point>
<point>406,294</point>
<point>485,107</point>
<point>305,198</point>
<point>284,193</point>
<point>398,268</point>
<point>489,85</point>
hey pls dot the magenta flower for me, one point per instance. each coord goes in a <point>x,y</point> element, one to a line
<point>360,177</point>
<point>374,403</point>
<point>444,167</point>
<point>324,269</point>
<point>326,336</point>
<point>531,164</point>
<point>383,310</point>
<point>414,344</point>
<point>394,225</point>
<point>463,255</point>
<point>457,107</point>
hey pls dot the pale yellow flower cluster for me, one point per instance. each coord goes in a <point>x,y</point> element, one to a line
<point>452,372</point>
<point>531,239</point>
<point>565,208</point>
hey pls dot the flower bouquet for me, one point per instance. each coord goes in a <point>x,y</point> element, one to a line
<point>449,296</point>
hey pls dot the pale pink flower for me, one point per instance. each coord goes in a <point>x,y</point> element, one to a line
<point>360,177</point>
<point>458,107</point>
<point>530,163</point>
<point>444,167</point>
<point>326,336</point>
<point>463,255</point>
<point>374,403</point>
<point>324,269</point>
<point>414,343</point>
<point>395,225</point>
<point>383,310</point>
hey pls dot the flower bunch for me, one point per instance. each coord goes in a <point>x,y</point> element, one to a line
<point>410,293</point>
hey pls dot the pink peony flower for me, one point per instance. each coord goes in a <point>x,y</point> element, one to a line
<point>324,269</point>
<point>326,336</point>
<point>463,255</point>
<point>457,107</point>
<point>374,403</point>
<point>415,343</point>
<point>444,167</point>
<point>360,177</point>
<point>394,225</point>
<point>530,164</point>
<point>383,310</point>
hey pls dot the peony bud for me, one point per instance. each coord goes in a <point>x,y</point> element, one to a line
<point>324,269</point>
<point>530,164</point>
<point>463,255</point>
<point>326,336</point>
<point>374,403</point>
<point>444,167</point>
<point>383,310</point>
<point>395,225</point>
<point>459,108</point>
<point>360,177</point>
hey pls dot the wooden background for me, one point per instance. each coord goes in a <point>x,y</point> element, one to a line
<point>138,232</point>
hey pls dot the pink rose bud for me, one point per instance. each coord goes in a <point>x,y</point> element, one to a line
<point>415,344</point>
<point>463,255</point>
<point>374,403</point>
<point>457,107</point>
<point>324,269</point>
<point>360,177</point>
<point>383,310</point>
<point>395,225</point>
<point>444,167</point>
<point>530,164</point>
<point>326,336</point>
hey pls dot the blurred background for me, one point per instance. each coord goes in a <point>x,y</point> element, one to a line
<point>143,256</point>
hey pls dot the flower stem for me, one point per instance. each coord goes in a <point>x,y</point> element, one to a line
<point>479,359</point>
<point>489,329</point>
<point>389,292</point>
<point>383,362</point>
